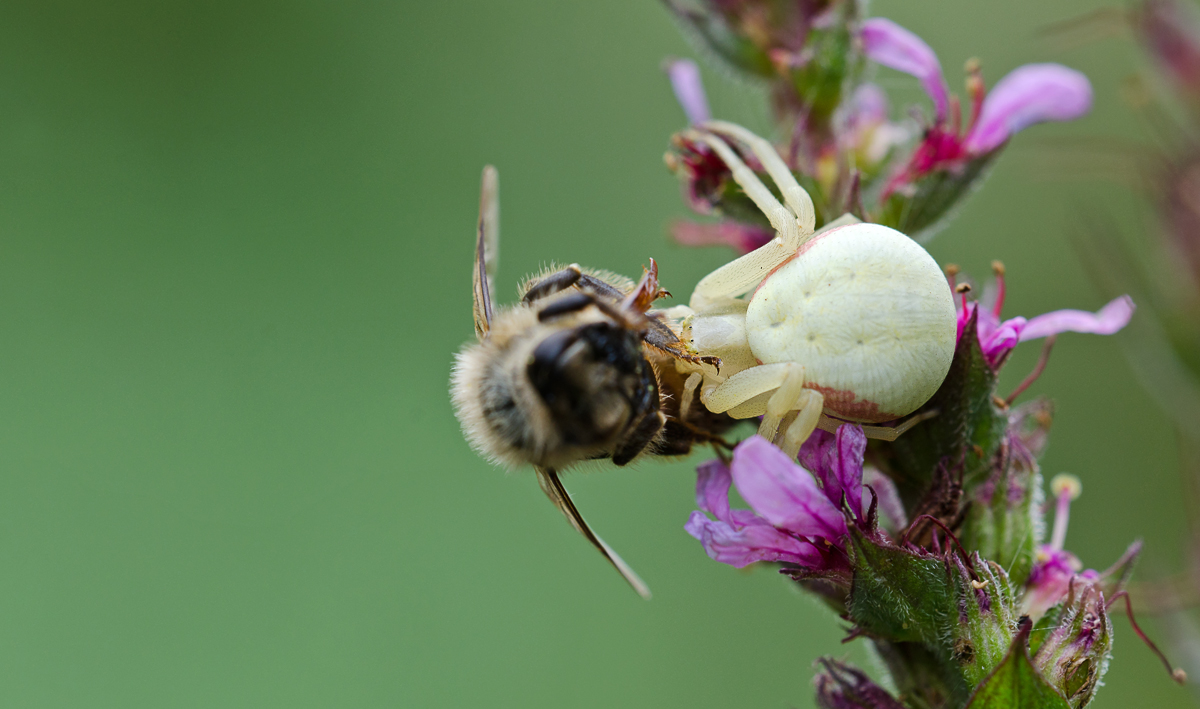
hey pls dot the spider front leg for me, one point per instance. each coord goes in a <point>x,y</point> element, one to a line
<point>879,433</point>
<point>793,227</point>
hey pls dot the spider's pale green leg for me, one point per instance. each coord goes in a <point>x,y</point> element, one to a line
<point>742,274</point>
<point>689,394</point>
<point>744,386</point>
<point>880,433</point>
<point>809,405</point>
<point>782,401</point>
<point>793,194</point>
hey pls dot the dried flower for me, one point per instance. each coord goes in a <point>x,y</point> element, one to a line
<point>840,686</point>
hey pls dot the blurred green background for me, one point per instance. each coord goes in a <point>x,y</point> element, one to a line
<point>235,245</point>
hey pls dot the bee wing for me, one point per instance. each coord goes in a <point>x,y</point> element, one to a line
<point>553,487</point>
<point>487,249</point>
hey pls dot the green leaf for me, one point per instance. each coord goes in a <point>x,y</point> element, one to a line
<point>1016,684</point>
<point>967,430</point>
<point>900,595</point>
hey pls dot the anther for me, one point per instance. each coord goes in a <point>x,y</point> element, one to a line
<point>951,269</point>
<point>1066,483</point>
<point>962,288</point>
<point>998,268</point>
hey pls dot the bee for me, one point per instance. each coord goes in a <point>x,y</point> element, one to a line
<point>580,369</point>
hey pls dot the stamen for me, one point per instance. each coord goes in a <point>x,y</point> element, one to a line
<point>998,269</point>
<point>975,88</point>
<point>1177,673</point>
<point>1066,487</point>
<point>951,270</point>
<point>1040,367</point>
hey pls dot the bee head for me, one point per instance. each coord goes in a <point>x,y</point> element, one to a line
<point>567,395</point>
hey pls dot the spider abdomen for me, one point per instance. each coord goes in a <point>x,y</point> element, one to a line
<point>869,315</point>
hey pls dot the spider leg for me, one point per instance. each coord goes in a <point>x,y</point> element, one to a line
<point>742,274</point>
<point>879,433</point>
<point>796,198</point>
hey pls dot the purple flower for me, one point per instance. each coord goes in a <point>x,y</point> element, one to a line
<point>998,337</point>
<point>1033,93</point>
<point>689,90</point>
<point>792,521</point>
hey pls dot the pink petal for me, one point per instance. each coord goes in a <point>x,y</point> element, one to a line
<point>1109,319</point>
<point>847,463</point>
<point>782,492</point>
<point>741,547</point>
<point>837,461</point>
<point>712,489</point>
<point>889,44</point>
<point>689,90</point>
<point>890,507</point>
<point>1029,94</point>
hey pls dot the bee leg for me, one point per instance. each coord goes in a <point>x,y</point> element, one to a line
<point>661,337</point>
<point>565,305</point>
<point>639,438</point>
<point>574,302</point>
<point>559,280</point>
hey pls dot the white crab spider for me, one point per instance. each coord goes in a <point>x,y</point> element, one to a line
<point>855,321</point>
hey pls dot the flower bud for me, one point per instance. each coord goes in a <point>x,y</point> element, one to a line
<point>1073,657</point>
